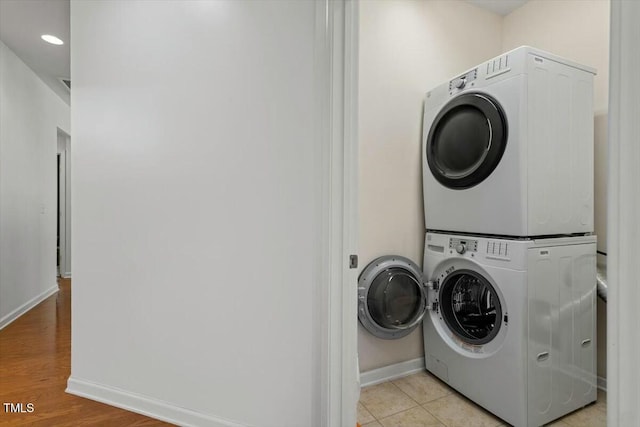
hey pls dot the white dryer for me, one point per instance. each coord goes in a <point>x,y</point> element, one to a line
<point>512,323</point>
<point>508,148</point>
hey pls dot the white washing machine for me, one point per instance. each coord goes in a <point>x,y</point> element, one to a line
<point>512,323</point>
<point>508,148</point>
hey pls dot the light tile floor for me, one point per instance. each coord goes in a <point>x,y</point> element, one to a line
<point>422,400</point>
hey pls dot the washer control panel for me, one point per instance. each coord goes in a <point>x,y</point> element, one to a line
<point>462,246</point>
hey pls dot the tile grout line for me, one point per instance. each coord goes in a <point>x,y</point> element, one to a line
<point>418,405</point>
<point>403,392</point>
<point>429,412</point>
<point>434,415</point>
<point>396,413</point>
<point>467,401</point>
<point>370,413</point>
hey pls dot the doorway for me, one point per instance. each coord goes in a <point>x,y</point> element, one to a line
<point>59,216</point>
<point>63,255</point>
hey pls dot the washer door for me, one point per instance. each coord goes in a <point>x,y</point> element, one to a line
<point>470,306</point>
<point>466,140</point>
<point>391,297</point>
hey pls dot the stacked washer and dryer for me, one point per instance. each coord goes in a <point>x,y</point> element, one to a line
<point>507,293</point>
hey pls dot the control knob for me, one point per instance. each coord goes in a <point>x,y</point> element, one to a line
<point>460,248</point>
<point>461,82</point>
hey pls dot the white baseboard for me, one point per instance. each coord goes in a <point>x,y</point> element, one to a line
<point>391,372</point>
<point>6,320</point>
<point>66,275</point>
<point>150,407</point>
<point>399,370</point>
<point>602,384</point>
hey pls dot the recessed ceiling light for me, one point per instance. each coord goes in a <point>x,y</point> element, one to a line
<point>51,39</point>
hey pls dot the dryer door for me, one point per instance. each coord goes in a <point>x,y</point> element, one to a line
<point>470,306</point>
<point>391,297</point>
<point>466,140</point>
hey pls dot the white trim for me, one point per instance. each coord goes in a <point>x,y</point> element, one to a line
<point>392,372</point>
<point>348,291</point>
<point>623,223</point>
<point>144,405</point>
<point>336,347</point>
<point>67,237</point>
<point>62,210</point>
<point>324,394</point>
<point>66,275</point>
<point>6,320</point>
<point>67,207</point>
<point>602,383</point>
<point>403,369</point>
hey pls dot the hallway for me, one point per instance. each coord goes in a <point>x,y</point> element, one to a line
<point>35,365</point>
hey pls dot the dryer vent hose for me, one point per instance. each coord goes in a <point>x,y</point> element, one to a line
<point>601,278</point>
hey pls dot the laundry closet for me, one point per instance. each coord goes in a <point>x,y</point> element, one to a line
<point>410,51</point>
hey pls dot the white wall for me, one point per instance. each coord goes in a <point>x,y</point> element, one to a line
<point>406,48</point>
<point>197,211</point>
<point>578,30</point>
<point>30,114</point>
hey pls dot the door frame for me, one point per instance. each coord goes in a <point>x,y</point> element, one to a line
<point>62,217</point>
<point>337,364</point>
<point>336,316</point>
<point>64,208</point>
<point>623,225</point>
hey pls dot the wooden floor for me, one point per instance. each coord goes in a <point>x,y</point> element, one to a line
<point>34,368</point>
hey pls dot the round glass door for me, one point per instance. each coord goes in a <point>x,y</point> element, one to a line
<point>470,307</point>
<point>391,298</point>
<point>466,140</point>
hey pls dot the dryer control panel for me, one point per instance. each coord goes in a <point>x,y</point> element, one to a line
<point>462,81</point>
<point>462,246</point>
<point>498,248</point>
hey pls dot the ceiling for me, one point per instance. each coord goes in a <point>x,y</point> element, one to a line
<point>501,7</point>
<point>22,22</point>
